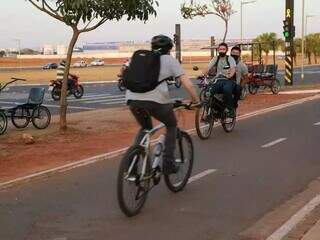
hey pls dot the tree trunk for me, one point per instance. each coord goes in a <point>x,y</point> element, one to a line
<point>315,58</point>
<point>309,58</point>
<point>63,101</point>
<point>266,58</point>
<point>226,30</point>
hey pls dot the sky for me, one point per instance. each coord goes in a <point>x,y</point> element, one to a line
<point>19,20</point>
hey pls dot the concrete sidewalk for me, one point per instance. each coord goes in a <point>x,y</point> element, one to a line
<point>313,233</point>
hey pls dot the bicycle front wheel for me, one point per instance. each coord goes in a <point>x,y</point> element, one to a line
<point>184,160</point>
<point>132,190</point>
<point>204,121</point>
<point>41,117</point>
<point>3,122</point>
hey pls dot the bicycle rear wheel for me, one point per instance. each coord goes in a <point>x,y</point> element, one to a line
<point>20,117</point>
<point>3,122</point>
<point>184,159</point>
<point>204,121</point>
<point>131,190</point>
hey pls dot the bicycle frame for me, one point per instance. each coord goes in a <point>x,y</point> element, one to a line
<point>145,143</point>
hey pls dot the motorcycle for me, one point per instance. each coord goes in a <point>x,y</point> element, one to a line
<point>121,84</point>
<point>74,88</point>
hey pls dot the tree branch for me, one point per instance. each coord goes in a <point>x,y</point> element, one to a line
<point>43,9</point>
<point>88,29</point>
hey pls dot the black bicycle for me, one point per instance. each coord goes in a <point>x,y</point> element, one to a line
<point>212,110</point>
<point>141,168</point>
<point>3,114</point>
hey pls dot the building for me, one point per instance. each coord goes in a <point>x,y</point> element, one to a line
<point>101,47</point>
<point>48,50</point>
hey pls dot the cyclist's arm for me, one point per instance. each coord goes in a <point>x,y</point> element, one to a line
<point>212,63</point>
<point>187,84</point>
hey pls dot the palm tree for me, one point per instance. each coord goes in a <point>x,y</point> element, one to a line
<point>267,40</point>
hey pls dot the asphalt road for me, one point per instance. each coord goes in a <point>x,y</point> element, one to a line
<point>107,95</point>
<point>255,172</point>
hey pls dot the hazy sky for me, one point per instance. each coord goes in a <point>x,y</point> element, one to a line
<point>18,19</point>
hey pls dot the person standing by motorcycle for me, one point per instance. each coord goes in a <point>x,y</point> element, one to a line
<point>224,67</point>
<point>241,74</point>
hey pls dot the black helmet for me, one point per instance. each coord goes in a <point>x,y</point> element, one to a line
<point>162,43</point>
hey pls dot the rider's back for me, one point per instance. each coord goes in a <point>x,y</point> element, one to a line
<point>169,67</point>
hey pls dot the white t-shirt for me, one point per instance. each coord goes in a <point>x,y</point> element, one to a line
<point>169,67</point>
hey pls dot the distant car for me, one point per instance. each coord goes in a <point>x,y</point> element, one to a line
<point>97,62</point>
<point>80,64</point>
<point>50,66</point>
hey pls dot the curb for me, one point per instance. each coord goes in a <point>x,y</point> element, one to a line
<point>119,152</point>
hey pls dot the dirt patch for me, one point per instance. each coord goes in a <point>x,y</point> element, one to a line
<point>92,133</point>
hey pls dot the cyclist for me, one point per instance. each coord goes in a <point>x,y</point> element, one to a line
<point>157,103</point>
<point>241,74</point>
<point>224,67</point>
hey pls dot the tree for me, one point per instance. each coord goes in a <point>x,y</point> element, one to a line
<point>313,46</point>
<point>2,53</point>
<point>85,16</point>
<point>266,39</point>
<point>221,8</point>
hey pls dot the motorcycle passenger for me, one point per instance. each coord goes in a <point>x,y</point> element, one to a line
<point>224,67</point>
<point>241,74</point>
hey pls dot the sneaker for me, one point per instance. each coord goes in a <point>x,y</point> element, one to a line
<point>170,167</point>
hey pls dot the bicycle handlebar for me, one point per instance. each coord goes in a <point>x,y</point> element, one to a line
<point>13,80</point>
<point>19,79</point>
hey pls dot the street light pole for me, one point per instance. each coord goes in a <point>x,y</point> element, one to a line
<point>241,16</point>
<point>302,41</point>
<point>306,31</point>
<point>19,51</point>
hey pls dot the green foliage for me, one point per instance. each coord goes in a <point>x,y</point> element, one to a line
<point>266,39</point>
<point>73,12</point>
<point>221,8</point>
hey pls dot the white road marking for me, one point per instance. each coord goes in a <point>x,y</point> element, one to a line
<point>274,142</point>
<point>115,102</point>
<point>106,100</point>
<point>201,175</point>
<point>295,219</point>
<point>317,124</point>
<point>93,99</point>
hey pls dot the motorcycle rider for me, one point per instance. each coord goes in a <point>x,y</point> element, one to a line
<point>60,74</point>
<point>225,68</point>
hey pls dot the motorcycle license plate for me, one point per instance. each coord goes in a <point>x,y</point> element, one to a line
<point>50,88</point>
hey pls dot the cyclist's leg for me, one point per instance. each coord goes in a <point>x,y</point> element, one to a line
<point>228,86</point>
<point>142,116</point>
<point>216,88</point>
<point>236,95</point>
<point>165,114</point>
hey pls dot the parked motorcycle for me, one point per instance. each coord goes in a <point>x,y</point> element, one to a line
<point>74,88</point>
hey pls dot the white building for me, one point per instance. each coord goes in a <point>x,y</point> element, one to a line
<point>61,50</point>
<point>48,50</point>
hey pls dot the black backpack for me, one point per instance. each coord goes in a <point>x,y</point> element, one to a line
<point>143,73</point>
